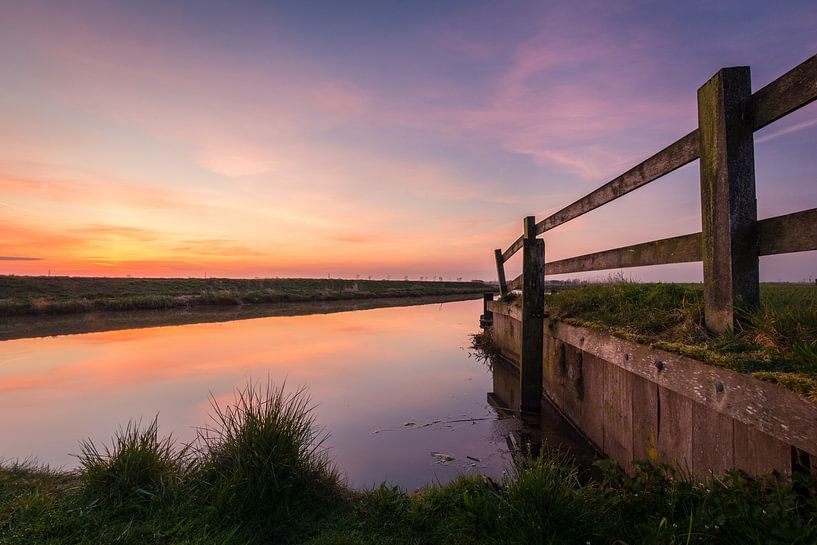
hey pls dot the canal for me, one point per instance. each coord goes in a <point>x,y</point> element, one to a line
<point>397,388</point>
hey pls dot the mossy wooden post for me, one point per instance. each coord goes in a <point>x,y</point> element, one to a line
<point>728,205</point>
<point>500,272</point>
<point>533,306</point>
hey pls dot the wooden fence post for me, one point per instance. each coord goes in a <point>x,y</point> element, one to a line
<point>533,307</point>
<point>500,272</point>
<point>728,204</point>
<point>487,317</point>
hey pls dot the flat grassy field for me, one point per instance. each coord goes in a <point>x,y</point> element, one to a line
<point>66,294</point>
<point>776,342</point>
<point>259,474</point>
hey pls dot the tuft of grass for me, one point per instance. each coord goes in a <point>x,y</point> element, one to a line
<point>541,501</point>
<point>259,475</point>
<point>263,459</point>
<point>139,466</point>
<point>661,505</point>
<point>547,503</point>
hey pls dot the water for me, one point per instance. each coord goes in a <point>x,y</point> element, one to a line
<point>392,386</point>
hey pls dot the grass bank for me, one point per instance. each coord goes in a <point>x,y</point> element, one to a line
<point>66,294</point>
<point>776,342</point>
<point>259,474</point>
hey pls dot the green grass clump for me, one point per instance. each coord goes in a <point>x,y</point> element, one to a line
<point>259,475</point>
<point>547,503</point>
<point>659,505</point>
<point>775,342</point>
<point>544,501</point>
<point>263,460</point>
<point>139,465</point>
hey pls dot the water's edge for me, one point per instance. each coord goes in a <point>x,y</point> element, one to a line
<point>33,326</point>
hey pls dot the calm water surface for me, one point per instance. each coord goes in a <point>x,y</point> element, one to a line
<point>392,386</point>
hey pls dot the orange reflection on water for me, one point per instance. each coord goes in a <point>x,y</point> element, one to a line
<point>366,370</point>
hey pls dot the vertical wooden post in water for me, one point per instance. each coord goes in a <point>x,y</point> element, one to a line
<point>500,272</point>
<point>487,317</point>
<point>728,205</point>
<point>533,307</point>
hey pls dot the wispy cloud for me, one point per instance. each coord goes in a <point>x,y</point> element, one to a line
<point>135,139</point>
<point>774,134</point>
<point>116,231</point>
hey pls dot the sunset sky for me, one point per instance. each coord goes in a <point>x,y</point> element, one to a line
<point>376,138</point>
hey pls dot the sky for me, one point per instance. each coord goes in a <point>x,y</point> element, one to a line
<point>381,138</point>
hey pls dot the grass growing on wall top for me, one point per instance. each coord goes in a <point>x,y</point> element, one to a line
<point>776,342</point>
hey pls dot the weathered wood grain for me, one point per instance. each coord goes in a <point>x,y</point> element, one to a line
<point>735,408</point>
<point>505,335</point>
<point>786,94</point>
<point>795,232</point>
<point>713,445</point>
<point>728,203</point>
<point>793,90</point>
<point>572,381</point>
<point>591,421</point>
<point>533,305</point>
<point>618,415</point>
<point>682,249</point>
<point>674,442</point>
<point>500,272</point>
<point>515,284</point>
<point>514,310</point>
<point>553,376</point>
<point>789,92</point>
<point>513,248</point>
<point>529,227</point>
<point>771,408</point>
<point>486,317</point>
<point>645,418</point>
<point>757,453</point>
<point>674,156</point>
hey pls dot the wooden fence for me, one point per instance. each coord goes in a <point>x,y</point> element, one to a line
<point>731,239</point>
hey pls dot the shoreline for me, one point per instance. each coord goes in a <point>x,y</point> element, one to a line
<point>44,296</point>
<point>29,326</point>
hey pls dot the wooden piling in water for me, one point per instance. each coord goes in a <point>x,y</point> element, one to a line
<point>500,272</point>
<point>533,306</point>
<point>487,316</point>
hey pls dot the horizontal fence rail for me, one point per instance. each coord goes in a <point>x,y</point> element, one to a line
<point>732,238</point>
<point>788,93</point>
<point>673,157</point>
<point>784,234</point>
<point>513,248</point>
